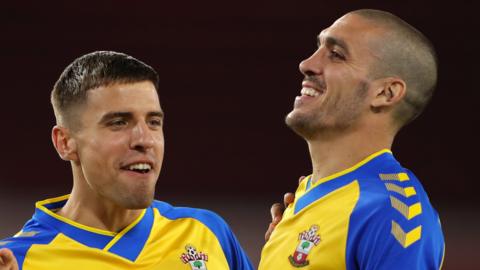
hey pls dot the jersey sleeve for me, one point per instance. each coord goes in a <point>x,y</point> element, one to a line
<point>32,233</point>
<point>394,240</point>
<point>236,256</point>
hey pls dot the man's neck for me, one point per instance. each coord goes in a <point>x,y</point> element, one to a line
<point>332,154</point>
<point>97,213</point>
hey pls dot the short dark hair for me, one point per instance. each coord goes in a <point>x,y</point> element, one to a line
<point>408,54</point>
<point>96,69</point>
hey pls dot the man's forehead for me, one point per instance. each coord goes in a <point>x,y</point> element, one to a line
<point>348,22</point>
<point>333,31</point>
<point>353,28</point>
<point>141,96</point>
<point>124,92</point>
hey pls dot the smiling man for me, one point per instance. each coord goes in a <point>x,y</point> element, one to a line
<point>371,74</point>
<point>110,129</point>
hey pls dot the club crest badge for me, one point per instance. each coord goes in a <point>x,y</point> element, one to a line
<point>307,240</point>
<point>196,260</point>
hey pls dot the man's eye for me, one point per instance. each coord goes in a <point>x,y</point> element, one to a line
<point>336,55</point>
<point>155,122</point>
<point>118,123</point>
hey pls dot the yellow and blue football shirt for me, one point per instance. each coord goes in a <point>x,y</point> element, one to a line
<point>374,215</point>
<point>162,237</point>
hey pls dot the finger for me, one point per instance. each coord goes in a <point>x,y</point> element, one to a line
<point>7,259</point>
<point>4,256</point>
<point>270,229</point>
<point>276,211</point>
<point>300,179</point>
<point>288,198</point>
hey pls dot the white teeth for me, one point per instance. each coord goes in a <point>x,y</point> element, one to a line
<point>140,166</point>
<point>307,91</point>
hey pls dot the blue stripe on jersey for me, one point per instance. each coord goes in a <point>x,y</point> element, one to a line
<point>235,257</point>
<point>325,188</point>
<point>21,244</point>
<point>370,243</point>
<point>87,238</point>
<point>132,243</point>
<point>320,191</point>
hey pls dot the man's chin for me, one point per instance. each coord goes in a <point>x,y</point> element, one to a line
<point>137,202</point>
<point>299,125</point>
<point>138,205</point>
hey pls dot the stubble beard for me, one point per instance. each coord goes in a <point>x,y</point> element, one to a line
<point>136,197</point>
<point>337,117</point>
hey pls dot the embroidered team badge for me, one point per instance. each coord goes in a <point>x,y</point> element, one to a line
<point>197,260</point>
<point>308,240</point>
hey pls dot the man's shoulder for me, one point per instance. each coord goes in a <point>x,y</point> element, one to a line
<point>32,233</point>
<point>395,216</point>
<point>392,194</point>
<point>385,178</point>
<point>394,204</point>
<point>207,217</point>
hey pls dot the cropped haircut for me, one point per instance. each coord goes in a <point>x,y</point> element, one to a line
<point>90,71</point>
<point>408,54</point>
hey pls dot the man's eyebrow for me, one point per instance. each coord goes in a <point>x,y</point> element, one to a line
<point>128,115</point>
<point>156,113</point>
<point>108,116</point>
<point>332,41</point>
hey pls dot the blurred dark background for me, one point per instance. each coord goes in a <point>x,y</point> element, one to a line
<point>229,74</point>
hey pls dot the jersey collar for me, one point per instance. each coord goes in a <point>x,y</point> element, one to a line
<point>127,243</point>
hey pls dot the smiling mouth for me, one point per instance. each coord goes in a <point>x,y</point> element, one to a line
<point>308,91</point>
<point>311,92</point>
<point>138,168</point>
<point>312,87</point>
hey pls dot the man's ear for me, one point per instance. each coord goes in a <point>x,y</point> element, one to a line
<point>388,93</point>
<point>64,143</point>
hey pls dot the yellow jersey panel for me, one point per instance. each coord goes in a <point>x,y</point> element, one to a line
<point>162,237</point>
<point>63,251</point>
<point>373,215</point>
<point>169,242</point>
<point>330,234</point>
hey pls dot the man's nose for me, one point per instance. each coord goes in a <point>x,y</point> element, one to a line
<point>312,65</point>
<point>142,137</point>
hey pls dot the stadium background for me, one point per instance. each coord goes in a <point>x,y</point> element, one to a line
<point>229,74</point>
